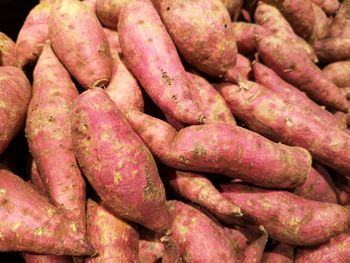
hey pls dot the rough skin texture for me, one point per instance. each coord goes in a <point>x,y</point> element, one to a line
<point>322,23</point>
<point>29,223</point>
<point>193,231</point>
<point>150,248</point>
<point>198,189</point>
<point>172,252</point>
<point>341,22</point>
<point>255,250</point>
<point>201,31</point>
<point>143,37</point>
<point>226,149</point>
<point>295,67</point>
<point>282,253</point>
<point>288,218</point>
<point>114,239</point>
<point>329,6</point>
<point>34,258</point>
<point>233,7</point>
<point>338,73</point>
<point>332,49</point>
<point>335,251</point>
<point>15,94</point>
<point>108,11</point>
<point>87,58</point>
<point>265,112</point>
<point>49,136</point>
<point>116,162</point>
<point>33,34</point>
<point>7,51</point>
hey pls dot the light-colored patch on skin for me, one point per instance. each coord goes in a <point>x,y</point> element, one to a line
<point>2,104</point>
<point>1,236</point>
<point>120,164</point>
<point>289,122</point>
<point>73,226</point>
<point>134,173</point>
<point>117,177</point>
<point>16,226</point>
<point>2,191</point>
<point>39,231</point>
<point>183,230</point>
<point>50,211</point>
<point>105,136</point>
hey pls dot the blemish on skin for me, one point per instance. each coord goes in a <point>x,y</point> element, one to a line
<point>117,177</point>
<point>183,230</point>
<point>105,136</point>
<point>73,226</point>
<point>39,231</point>
<point>50,211</point>
<point>16,226</point>
<point>1,236</point>
<point>289,122</point>
<point>2,191</point>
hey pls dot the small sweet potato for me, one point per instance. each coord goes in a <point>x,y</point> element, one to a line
<point>7,51</point>
<point>114,239</point>
<point>15,94</point>
<point>338,73</point>
<point>201,31</point>
<point>35,258</point>
<point>33,34</point>
<point>282,253</point>
<point>108,11</point>
<point>86,57</point>
<point>223,148</point>
<point>288,218</point>
<point>233,7</point>
<point>322,24</point>
<point>332,49</point>
<point>341,22</point>
<point>143,37</point>
<point>29,223</point>
<point>329,6</point>
<point>335,251</point>
<point>116,162</point>
<point>193,231</point>
<point>296,68</point>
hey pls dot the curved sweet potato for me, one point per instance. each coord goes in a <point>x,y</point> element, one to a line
<point>7,51</point>
<point>332,49</point>
<point>338,73</point>
<point>322,24</point>
<point>108,11</point>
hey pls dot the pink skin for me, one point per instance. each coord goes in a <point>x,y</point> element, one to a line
<point>269,79</point>
<point>296,68</point>
<point>243,66</point>
<point>116,162</point>
<point>246,35</point>
<point>201,31</point>
<point>337,250</point>
<point>193,231</point>
<point>150,248</point>
<point>255,250</point>
<point>341,22</point>
<point>108,11</point>
<point>113,41</point>
<point>322,23</point>
<point>222,148</point>
<point>49,136</point>
<point>338,73</point>
<point>198,189</point>
<point>172,252</point>
<point>15,92</point>
<point>144,38</point>
<point>297,13</point>
<point>87,58</point>
<point>233,7</point>
<point>115,240</point>
<point>267,113</point>
<point>288,218</point>
<point>91,4</point>
<point>209,100</point>
<point>33,258</point>
<point>7,51</point>
<point>332,49</point>
<point>176,124</point>
<point>37,180</point>
<point>33,34</point>
<point>329,6</point>
<point>31,224</point>
<point>283,253</point>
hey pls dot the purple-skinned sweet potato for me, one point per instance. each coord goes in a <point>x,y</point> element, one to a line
<point>7,51</point>
<point>36,258</point>
<point>296,68</point>
<point>329,6</point>
<point>87,57</point>
<point>267,113</point>
<point>150,248</point>
<point>49,136</point>
<point>108,11</point>
<point>201,31</point>
<point>192,230</point>
<point>143,37</point>
<point>198,189</point>
<point>114,239</point>
<point>225,149</point>
<point>335,251</point>
<point>33,34</point>
<point>338,73</point>
<point>332,49</point>
<point>341,22</point>
<point>15,92</point>
<point>322,24</point>
<point>269,79</point>
<point>116,162</point>
<point>282,253</point>
<point>29,223</point>
<point>233,7</point>
<point>286,217</point>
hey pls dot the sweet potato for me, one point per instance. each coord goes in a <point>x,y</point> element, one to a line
<point>29,223</point>
<point>265,112</point>
<point>246,35</point>
<point>115,161</point>
<point>113,41</point>
<point>243,66</point>
<point>269,79</point>
<point>91,4</point>
<point>336,250</point>
<point>150,248</point>
<point>114,239</point>
<point>233,7</point>
<point>49,136</point>
<point>255,250</point>
<point>193,231</point>
<point>33,34</point>
<point>282,253</point>
<point>288,218</point>
<point>144,38</point>
<point>86,57</point>
<point>8,51</point>
<point>322,23</point>
<point>299,14</point>
<point>295,67</point>
<point>201,31</point>
<point>341,22</point>
<point>329,6</point>
<point>35,258</point>
<point>332,49</point>
<point>15,94</point>
<point>172,253</point>
<point>36,179</point>
<point>338,73</point>
<point>239,238</point>
<point>223,148</point>
<point>200,190</point>
<point>108,11</point>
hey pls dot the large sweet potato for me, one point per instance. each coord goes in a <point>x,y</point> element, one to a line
<point>341,22</point>
<point>116,162</point>
<point>322,23</point>
<point>108,11</point>
<point>339,73</point>
<point>332,49</point>
<point>7,51</point>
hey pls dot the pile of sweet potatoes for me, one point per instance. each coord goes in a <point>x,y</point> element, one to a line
<point>176,131</point>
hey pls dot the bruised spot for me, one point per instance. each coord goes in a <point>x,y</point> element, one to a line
<point>168,8</point>
<point>141,22</point>
<point>117,177</point>
<point>199,150</point>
